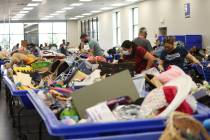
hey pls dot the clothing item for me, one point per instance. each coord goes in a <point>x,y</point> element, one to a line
<point>154,101</point>
<point>184,85</point>
<point>93,45</point>
<point>171,74</point>
<point>170,93</point>
<point>175,57</point>
<point>138,58</point>
<point>143,43</point>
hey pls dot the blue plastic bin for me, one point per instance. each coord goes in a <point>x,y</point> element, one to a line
<point>193,41</point>
<point>180,38</point>
<point>18,93</point>
<point>203,70</point>
<point>138,136</point>
<point>56,128</point>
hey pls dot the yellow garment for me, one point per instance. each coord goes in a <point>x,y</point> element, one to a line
<point>79,76</point>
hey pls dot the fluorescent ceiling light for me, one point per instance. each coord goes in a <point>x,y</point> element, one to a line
<point>68,8</point>
<point>73,18</point>
<point>95,11</point>
<point>117,4</point>
<point>131,0</point>
<point>33,4</point>
<point>76,4</point>
<point>44,18</point>
<point>85,0</point>
<point>87,14</point>
<point>28,8</point>
<point>106,8</point>
<point>15,19</point>
<point>37,0</point>
<point>60,11</point>
<point>54,14</point>
<point>49,16</point>
<point>23,12</point>
<point>20,15</point>
<point>79,16</point>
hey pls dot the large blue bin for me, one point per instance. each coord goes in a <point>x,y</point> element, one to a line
<point>56,128</point>
<point>138,136</point>
<point>194,41</point>
<point>18,93</point>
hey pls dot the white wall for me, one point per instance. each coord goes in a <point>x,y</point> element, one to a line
<point>72,33</point>
<point>151,12</point>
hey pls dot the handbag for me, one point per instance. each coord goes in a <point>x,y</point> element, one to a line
<point>181,126</point>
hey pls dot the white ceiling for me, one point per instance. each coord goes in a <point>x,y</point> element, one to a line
<point>48,7</point>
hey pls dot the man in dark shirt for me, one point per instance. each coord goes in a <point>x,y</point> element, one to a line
<point>142,41</point>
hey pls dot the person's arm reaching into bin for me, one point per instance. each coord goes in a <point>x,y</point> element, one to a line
<point>150,59</point>
<point>161,67</point>
<point>192,59</point>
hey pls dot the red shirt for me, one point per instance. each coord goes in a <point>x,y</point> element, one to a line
<point>138,58</point>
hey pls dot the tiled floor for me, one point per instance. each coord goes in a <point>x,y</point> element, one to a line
<point>6,130</point>
<point>29,123</point>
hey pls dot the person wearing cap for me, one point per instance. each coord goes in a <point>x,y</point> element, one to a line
<point>91,45</point>
<point>174,55</point>
<point>142,41</point>
<point>143,59</point>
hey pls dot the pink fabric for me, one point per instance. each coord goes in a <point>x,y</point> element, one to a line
<point>171,74</point>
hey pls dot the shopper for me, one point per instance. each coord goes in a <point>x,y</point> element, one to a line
<point>63,50</point>
<point>41,47</point>
<point>174,55</point>
<point>142,41</point>
<point>35,50</point>
<point>93,46</point>
<point>143,59</point>
<point>16,47</point>
<point>46,47</point>
<point>64,42</point>
<point>158,48</point>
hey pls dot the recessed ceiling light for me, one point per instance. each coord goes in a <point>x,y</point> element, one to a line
<point>79,16</point>
<point>106,8</point>
<point>68,8</point>
<point>60,11</point>
<point>73,18</point>
<point>85,0</point>
<point>87,14</point>
<point>37,0</point>
<point>33,4</point>
<point>23,12</point>
<point>95,11</point>
<point>28,8</point>
<point>117,4</point>
<point>76,4</point>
